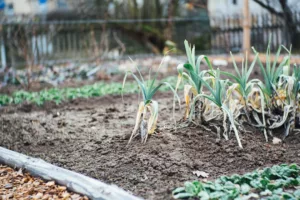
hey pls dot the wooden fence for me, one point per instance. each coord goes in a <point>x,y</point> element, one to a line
<point>227,32</point>
<point>32,43</point>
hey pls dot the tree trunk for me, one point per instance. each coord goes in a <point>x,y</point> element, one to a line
<point>287,15</point>
<point>289,21</point>
<point>169,28</point>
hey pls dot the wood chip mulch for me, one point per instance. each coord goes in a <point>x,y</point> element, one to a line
<point>19,185</point>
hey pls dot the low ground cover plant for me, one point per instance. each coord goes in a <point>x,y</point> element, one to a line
<point>277,182</point>
<point>58,95</point>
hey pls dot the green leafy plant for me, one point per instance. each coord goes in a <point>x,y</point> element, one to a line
<point>58,95</point>
<point>271,72</point>
<point>277,182</point>
<point>241,78</point>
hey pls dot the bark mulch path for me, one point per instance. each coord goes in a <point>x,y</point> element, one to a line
<point>21,185</point>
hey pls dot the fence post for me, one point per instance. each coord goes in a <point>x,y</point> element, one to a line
<point>246,27</point>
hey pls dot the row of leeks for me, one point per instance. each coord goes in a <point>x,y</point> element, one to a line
<point>228,104</point>
<point>269,104</point>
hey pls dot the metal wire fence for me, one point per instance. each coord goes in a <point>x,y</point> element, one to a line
<point>32,43</point>
<point>29,42</point>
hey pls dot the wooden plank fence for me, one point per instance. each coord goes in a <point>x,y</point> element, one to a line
<point>227,32</point>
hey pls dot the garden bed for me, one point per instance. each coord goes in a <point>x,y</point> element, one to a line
<point>90,136</point>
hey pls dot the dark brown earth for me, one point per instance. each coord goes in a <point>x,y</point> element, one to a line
<point>90,136</point>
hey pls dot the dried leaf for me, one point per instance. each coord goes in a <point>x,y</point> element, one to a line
<point>20,172</point>
<point>46,196</point>
<point>38,196</point>
<point>19,185</point>
<point>75,197</point>
<point>36,183</point>
<point>62,188</point>
<point>200,174</point>
<point>51,183</point>
<point>65,195</point>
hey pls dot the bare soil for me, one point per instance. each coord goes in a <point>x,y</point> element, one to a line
<point>90,136</point>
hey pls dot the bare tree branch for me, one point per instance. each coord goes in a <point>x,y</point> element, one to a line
<point>288,14</point>
<point>269,8</point>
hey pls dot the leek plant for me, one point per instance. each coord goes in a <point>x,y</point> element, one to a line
<point>218,97</point>
<point>192,75</point>
<point>268,104</point>
<point>271,73</point>
<point>200,106</point>
<point>246,90</point>
<point>242,86</point>
<point>147,114</point>
<point>276,93</point>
